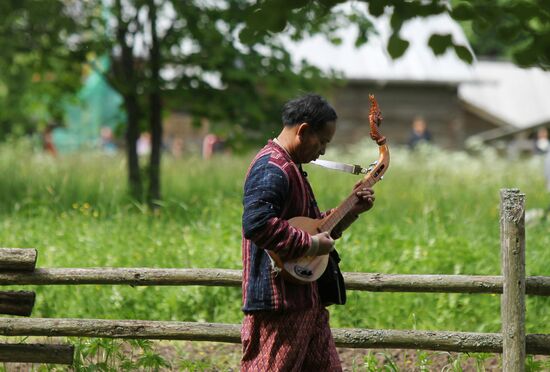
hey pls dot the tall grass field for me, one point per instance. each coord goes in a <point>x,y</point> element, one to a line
<point>435,213</point>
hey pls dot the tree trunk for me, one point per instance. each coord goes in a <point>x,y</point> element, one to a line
<point>127,77</point>
<point>155,119</point>
<point>132,135</point>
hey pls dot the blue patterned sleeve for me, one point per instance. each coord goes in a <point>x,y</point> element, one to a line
<point>265,191</point>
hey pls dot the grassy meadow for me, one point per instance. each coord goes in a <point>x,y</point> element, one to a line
<point>435,213</point>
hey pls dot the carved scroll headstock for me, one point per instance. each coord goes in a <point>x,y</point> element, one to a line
<point>375,119</point>
<point>381,165</point>
<point>375,173</point>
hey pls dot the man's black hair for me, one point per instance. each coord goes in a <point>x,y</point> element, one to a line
<point>310,108</point>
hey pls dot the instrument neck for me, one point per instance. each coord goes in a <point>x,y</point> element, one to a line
<point>339,213</point>
<point>370,179</point>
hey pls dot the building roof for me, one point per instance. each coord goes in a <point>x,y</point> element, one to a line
<point>372,61</point>
<point>508,95</point>
<point>512,98</point>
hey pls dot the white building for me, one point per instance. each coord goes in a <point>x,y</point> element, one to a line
<point>456,99</point>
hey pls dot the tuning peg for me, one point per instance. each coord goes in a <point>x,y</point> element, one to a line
<point>371,166</point>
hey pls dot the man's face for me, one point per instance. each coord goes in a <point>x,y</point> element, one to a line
<point>314,143</point>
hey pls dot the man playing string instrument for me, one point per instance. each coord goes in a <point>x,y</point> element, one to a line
<point>286,325</point>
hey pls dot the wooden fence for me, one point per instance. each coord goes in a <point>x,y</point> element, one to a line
<point>17,267</point>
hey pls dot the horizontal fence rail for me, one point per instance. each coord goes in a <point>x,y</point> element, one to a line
<point>17,302</point>
<point>37,353</point>
<point>374,282</point>
<point>219,332</point>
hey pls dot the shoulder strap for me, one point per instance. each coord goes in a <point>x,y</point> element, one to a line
<point>349,168</point>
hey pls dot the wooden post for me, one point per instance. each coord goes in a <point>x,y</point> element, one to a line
<point>18,259</point>
<point>512,241</point>
<point>17,302</point>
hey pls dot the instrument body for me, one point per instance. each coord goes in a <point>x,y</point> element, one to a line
<point>308,269</point>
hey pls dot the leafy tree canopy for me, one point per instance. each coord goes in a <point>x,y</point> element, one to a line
<point>37,68</point>
<point>523,26</point>
<point>165,55</point>
<point>205,68</point>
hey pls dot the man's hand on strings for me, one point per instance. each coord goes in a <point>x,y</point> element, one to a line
<point>366,199</point>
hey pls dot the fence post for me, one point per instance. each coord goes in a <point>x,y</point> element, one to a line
<point>512,243</point>
<point>18,259</point>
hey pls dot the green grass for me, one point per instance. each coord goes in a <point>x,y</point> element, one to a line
<point>435,213</point>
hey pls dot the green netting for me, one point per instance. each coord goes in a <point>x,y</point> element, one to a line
<point>97,105</point>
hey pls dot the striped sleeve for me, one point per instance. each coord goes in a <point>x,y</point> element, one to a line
<point>265,192</point>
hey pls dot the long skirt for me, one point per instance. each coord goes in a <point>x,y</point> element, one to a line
<point>290,341</point>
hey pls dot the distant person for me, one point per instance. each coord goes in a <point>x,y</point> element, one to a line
<point>212,144</point>
<point>542,143</point>
<point>144,144</point>
<point>419,133</point>
<point>176,147</point>
<point>47,139</point>
<point>107,142</point>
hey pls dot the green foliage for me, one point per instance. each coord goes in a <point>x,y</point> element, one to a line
<point>213,75</point>
<point>440,43</point>
<point>38,70</point>
<point>434,213</point>
<point>237,83</point>
<point>480,359</point>
<point>532,364</point>
<point>112,355</point>
<point>310,17</point>
<point>370,363</point>
<point>195,365</point>
<point>463,53</point>
<point>423,363</point>
<point>192,61</point>
<point>397,46</point>
<point>455,364</point>
<point>517,29</point>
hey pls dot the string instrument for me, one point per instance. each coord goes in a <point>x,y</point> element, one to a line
<point>308,269</point>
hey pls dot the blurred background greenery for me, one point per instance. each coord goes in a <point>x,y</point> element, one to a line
<point>127,126</point>
<point>436,213</point>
